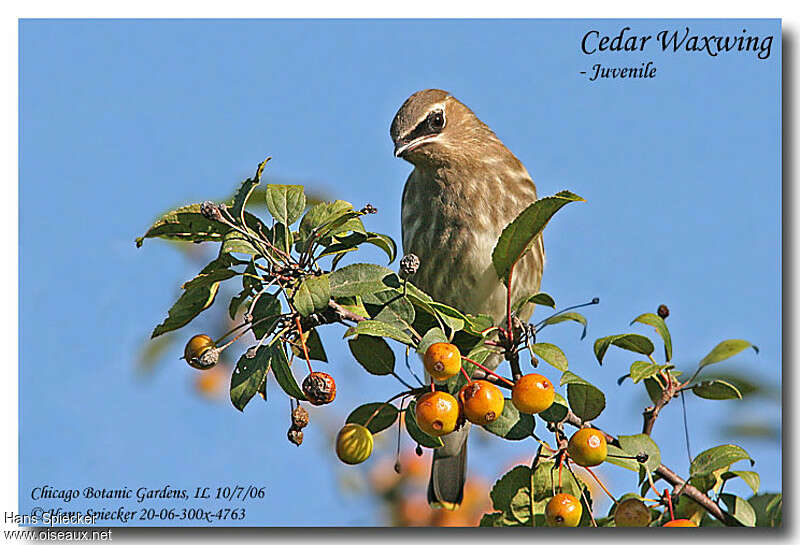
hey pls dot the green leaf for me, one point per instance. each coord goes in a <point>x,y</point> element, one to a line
<point>774,511</point>
<point>518,236</point>
<point>716,389</point>
<point>362,279</point>
<point>633,445</point>
<point>508,486</point>
<point>389,307</point>
<point>346,244</point>
<point>521,506</point>
<point>585,400</point>
<point>313,295</point>
<point>540,298</point>
<point>237,243</point>
<point>661,328</point>
<point>433,335</point>
<point>415,432</point>
<point>627,341</point>
<point>551,354</point>
<point>739,509</point>
<point>725,350</point>
<point>384,242</point>
<point>186,224</point>
<point>512,424</point>
<point>557,412</point>
<point>614,457</point>
<point>282,239</point>
<point>379,329</point>
<point>328,219</point>
<point>211,277</point>
<point>266,314</point>
<point>564,317</point>
<point>186,308</point>
<point>236,303</point>
<point>286,202</point>
<point>385,415</point>
<point>495,520</point>
<point>245,190</point>
<point>641,370</point>
<point>373,353</point>
<point>653,389</point>
<point>283,373</point>
<point>314,346</point>
<point>717,458</point>
<point>453,318</point>
<point>249,375</point>
<point>750,477</point>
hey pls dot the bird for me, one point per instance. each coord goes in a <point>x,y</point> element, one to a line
<point>465,188</point>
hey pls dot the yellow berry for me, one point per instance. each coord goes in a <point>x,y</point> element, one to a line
<point>563,510</point>
<point>587,447</point>
<point>353,444</point>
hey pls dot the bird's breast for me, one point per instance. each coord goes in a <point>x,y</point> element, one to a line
<point>453,226</point>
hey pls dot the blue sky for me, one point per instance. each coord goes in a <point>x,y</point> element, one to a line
<point>121,120</point>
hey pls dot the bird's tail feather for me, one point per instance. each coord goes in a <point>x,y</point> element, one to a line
<point>449,470</point>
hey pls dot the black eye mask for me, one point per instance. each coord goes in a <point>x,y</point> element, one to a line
<point>433,123</point>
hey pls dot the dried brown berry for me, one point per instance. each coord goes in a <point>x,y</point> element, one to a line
<point>409,264</point>
<point>663,311</point>
<point>299,418</point>
<point>320,388</point>
<point>369,209</point>
<point>210,211</point>
<point>295,436</point>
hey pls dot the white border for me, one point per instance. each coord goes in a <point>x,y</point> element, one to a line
<point>340,9</point>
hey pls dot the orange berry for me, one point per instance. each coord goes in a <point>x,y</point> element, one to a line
<point>563,510</point>
<point>442,360</point>
<point>632,512</point>
<point>482,402</point>
<point>680,523</point>
<point>587,447</point>
<point>436,413</point>
<point>532,394</point>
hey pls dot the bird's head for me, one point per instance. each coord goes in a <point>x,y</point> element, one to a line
<point>432,127</point>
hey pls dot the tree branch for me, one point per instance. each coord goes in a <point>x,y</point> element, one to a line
<point>667,393</point>
<point>668,475</point>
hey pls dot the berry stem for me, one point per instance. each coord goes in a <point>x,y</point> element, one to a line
<point>303,342</point>
<point>583,494</point>
<point>469,379</point>
<point>669,504</point>
<point>508,306</point>
<point>596,478</point>
<point>473,362</point>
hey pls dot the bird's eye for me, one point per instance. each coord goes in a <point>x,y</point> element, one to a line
<point>436,120</point>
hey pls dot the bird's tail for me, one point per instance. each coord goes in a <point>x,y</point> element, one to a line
<point>449,470</point>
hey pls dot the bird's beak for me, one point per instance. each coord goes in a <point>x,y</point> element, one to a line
<point>402,147</point>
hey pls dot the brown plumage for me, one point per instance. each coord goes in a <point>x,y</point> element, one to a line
<point>465,188</point>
